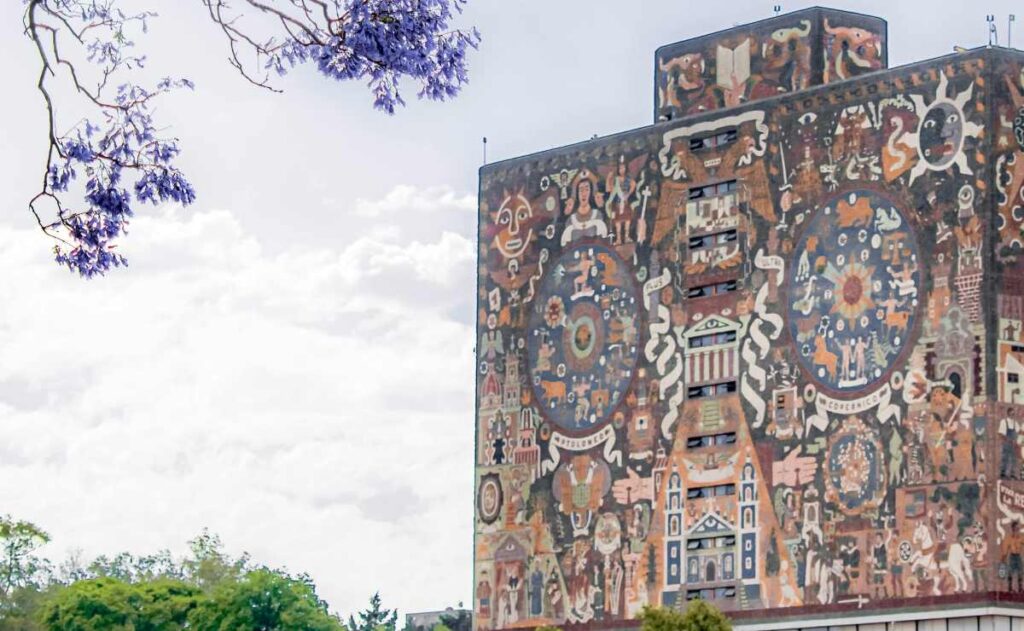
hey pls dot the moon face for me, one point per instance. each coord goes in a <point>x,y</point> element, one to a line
<point>942,131</point>
<point>514,230</point>
<point>941,134</point>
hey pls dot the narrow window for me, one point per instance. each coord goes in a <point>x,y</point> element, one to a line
<point>718,139</point>
<point>698,392</point>
<point>712,339</point>
<point>697,442</point>
<point>710,190</point>
<point>713,289</point>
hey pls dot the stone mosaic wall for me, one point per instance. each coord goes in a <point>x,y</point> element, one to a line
<point>785,54</point>
<point>752,356</point>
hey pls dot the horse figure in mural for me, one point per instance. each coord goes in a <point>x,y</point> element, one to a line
<point>958,564</point>
<point>824,357</point>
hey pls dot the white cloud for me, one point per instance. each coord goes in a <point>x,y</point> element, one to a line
<point>312,407</point>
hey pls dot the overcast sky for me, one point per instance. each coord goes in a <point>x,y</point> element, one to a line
<point>289,362</point>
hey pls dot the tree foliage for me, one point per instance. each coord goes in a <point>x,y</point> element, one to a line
<point>264,600</point>
<point>110,604</point>
<point>374,618</point>
<point>699,616</point>
<point>208,590</point>
<point>460,621</point>
<point>115,156</point>
<point>19,566</point>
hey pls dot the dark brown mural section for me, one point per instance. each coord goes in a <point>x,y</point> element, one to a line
<point>784,54</point>
<point>748,357</point>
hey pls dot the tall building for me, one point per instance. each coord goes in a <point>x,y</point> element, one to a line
<point>767,351</point>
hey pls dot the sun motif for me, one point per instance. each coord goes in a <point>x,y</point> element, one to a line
<point>941,130</point>
<point>852,290</point>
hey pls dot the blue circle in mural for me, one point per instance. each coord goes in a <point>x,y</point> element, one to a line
<point>583,337</point>
<point>854,282</point>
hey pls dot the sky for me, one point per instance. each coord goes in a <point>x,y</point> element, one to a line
<point>289,361</point>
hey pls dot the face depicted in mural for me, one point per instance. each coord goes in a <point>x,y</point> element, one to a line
<point>854,290</point>
<point>584,337</point>
<point>851,52</point>
<point>941,134</point>
<point>942,129</point>
<point>514,226</point>
<point>788,54</point>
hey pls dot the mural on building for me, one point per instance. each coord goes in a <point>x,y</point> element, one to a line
<point>743,356</point>
<point>780,55</point>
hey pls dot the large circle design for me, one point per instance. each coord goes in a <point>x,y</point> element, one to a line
<point>583,338</point>
<point>854,291</point>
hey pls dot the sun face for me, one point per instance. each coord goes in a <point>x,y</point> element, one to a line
<point>941,130</point>
<point>853,291</point>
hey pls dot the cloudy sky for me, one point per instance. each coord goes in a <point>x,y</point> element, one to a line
<point>289,362</point>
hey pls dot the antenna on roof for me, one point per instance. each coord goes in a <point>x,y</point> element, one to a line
<point>777,8</point>
<point>485,149</point>
<point>1009,30</point>
<point>993,36</point>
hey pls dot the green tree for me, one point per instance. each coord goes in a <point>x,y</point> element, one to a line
<point>19,566</point>
<point>20,609</point>
<point>110,604</point>
<point>264,600</point>
<point>209,566</point>
<point>461,621</point>
<point>699,616</point>
<point>376,618</point>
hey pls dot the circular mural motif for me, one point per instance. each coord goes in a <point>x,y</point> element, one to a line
<point>489,498</point>
<point>583,337</point>
<point>853,290</point>
<point>855,478</point>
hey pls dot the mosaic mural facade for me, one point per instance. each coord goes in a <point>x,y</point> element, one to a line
<point>769,356</point>
<point>784,54</point>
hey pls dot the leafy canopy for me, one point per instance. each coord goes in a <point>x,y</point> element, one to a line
<point>699,616</point>
<point>208,590</point>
